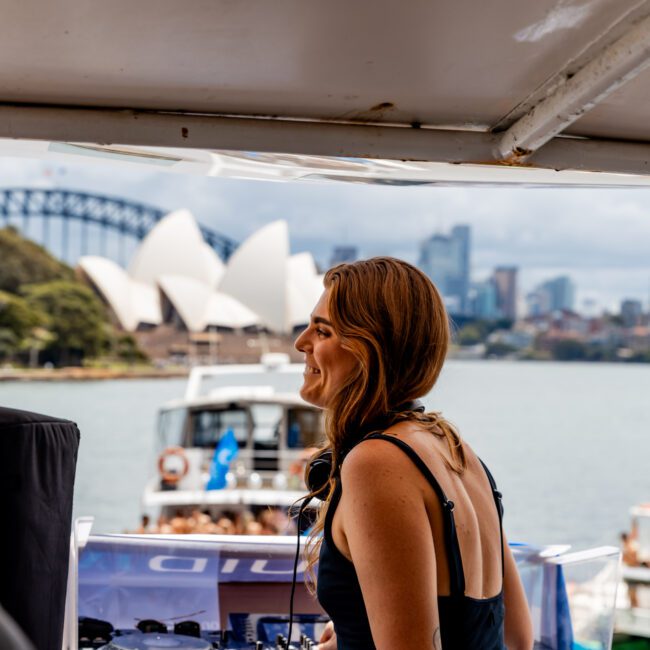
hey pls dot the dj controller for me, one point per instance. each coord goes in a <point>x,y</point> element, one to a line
<point>186,635</point>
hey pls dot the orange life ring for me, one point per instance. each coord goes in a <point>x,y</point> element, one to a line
<point>172,477</point>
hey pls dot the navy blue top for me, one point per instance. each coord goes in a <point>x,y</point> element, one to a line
<point>465,623</point>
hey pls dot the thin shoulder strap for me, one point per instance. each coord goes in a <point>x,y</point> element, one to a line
<point>454,559</point>
<point>498,502</point>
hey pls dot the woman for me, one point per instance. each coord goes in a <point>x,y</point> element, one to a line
<point>412,519</point>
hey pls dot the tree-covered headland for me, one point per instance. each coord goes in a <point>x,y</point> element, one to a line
<point>48,315</point>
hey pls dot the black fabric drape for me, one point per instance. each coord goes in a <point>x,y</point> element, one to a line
<point>38,457</point>
<point>11,636</point>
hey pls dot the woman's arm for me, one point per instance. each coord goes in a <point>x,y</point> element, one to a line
<point>328,638</point>
<point>389,537</point>
<point>518,624</point>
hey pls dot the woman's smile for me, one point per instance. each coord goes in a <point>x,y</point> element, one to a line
<point>328,365</point>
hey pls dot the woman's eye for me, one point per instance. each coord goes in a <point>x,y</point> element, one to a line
<point>321,332</point>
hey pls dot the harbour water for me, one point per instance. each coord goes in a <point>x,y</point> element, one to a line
<point>569,444</point>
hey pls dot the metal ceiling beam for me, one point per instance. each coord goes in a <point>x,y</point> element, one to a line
<point>613,156</point>
<point>614,66</point>
<point>619,26</point>
<point>219,132</point>
<point>112,127</point>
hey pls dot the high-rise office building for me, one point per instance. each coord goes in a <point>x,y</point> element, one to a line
<point>631,312</point>
<point>342,254</point>
<point>445,259</point>
<point>537,303</point>
<point>483,300</point>
<point>561,293</point>
<point>505,280</point>
<point>553,295</point>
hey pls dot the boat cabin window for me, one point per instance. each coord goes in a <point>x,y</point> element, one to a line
<point>170,427</point>
<point>305,429</point>
<point>267,425</point>
<point>207,427</point>
<point>267,421</point>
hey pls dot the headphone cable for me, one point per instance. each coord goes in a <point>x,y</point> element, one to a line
<point>305,503</point>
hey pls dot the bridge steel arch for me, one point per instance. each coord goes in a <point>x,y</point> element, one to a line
<point>129,218</point>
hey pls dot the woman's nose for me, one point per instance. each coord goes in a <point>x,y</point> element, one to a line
<point>302,341</point>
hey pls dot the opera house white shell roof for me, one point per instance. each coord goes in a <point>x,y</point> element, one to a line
<point>133,302</point>
<point>261,285</point>
<point>175,246</point>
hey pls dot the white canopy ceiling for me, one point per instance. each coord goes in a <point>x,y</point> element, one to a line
<point>549,85</point>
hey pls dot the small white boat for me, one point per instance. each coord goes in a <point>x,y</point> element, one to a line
<point>633,600</point>
<point>275,431</point>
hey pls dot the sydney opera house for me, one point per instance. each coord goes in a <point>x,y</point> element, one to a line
<point>176,278</point>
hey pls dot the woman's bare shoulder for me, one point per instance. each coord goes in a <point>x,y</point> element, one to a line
<point>377,477</point>
<point>374,461</point>
<point>368,454</point>
<point>422,441</point>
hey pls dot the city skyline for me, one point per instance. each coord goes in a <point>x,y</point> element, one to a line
<point>599,237</point>
<point>446,258</point>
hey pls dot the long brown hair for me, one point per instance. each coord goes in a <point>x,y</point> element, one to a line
<point>390,316</point>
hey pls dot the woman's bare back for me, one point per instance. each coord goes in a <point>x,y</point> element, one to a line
<point>475,514</point>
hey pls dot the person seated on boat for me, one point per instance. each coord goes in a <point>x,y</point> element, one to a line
<point>630,557</point>
<point>275,522</point>
<point>178,523</point>
<point>253,528</point>
<point>144,525</point>
<point>412,553</point>
<point>162,526</point>
<point>268,523</point>
<point>284,524</point>
<point>203,521</point>
<point>629,550</point>
<point>227,525</point>
<point>214,529</point>
<point>242,519</point>
<point>192,522</point>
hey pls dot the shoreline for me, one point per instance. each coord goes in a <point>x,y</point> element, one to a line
<point>107,374</point>
<point>89,374</point>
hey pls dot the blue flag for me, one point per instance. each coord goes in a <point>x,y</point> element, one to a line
<point>225,452</point>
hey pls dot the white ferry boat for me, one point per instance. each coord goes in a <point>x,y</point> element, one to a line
<point>258,407</point>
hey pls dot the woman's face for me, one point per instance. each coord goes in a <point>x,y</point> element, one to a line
<point>327,364</point>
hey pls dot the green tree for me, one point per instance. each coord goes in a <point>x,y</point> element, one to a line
<point>127,349</point>
<point>18,316</point>
<point>498,349</point>
<point>569,350</point>
<point>77,319</point>
<point>640,356</point>
<point>8,343</point>
<point>25,262</point>
<point>35,343</point>
<point>470,334</point>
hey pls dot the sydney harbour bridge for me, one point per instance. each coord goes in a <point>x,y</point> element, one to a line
<point>67,218</point>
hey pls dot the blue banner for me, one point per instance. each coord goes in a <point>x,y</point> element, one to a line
<point>126,583</point>
<point>125,580</point>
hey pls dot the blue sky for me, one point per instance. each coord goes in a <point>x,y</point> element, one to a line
<point>601,237</point>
